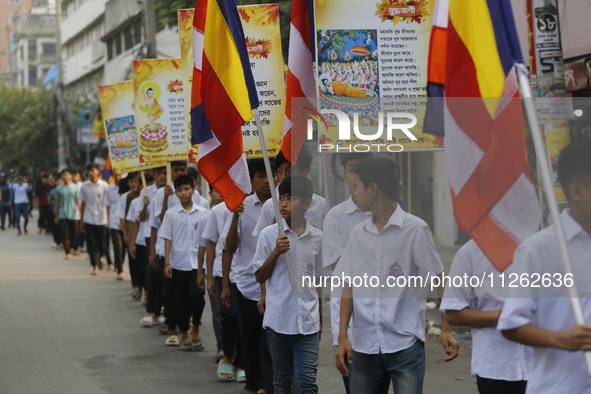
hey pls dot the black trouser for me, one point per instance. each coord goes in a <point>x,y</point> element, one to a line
<point>230,324</point>
<point>252,337</point>
<point>492,386</point>
<point>108,246</point>
<point>137,267</point>
<point>188,300</point>
<point>155,286</point>
<point>69,234</point>
<point>118,250</point>
<point>43,221</point>
<point>95,242</point>
<point>4,209</point>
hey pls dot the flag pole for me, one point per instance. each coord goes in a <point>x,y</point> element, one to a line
<point>143,174</point>
<point>548,185</point>
<point>278,217</point>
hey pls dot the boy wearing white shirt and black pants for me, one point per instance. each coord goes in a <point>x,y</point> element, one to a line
<point>180,264</point>
<point>292,316</point>
<point>540,313</point>
<point>388,326</point>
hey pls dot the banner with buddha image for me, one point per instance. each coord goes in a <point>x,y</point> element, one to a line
<point>118,116</point>
<point>159,109</point>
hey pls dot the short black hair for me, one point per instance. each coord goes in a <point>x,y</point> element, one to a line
<point>304,159</point>
<point>163,168</point>
<point>381,170</point>
<point>56,175</point>
<point>64,171</point>
<point>147,90</point>
<point>178,163</point>
<point>254,166</point>
<point>280,159</point>
<point>132,175</point>
<point>45,176</point>
<point>123,186</point>
<point>193,173</point>
<point>347,157</point>
<point>148,178</point>
<point>297,186</point>
<point>574,165</point>
<point>184,180</point>
<point>93,166</point>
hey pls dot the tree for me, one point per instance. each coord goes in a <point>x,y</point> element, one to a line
<point>28,136</point>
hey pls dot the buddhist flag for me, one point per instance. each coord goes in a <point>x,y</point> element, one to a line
<point>223,98</point>
<point>301,86</point>
<point>474,94</point>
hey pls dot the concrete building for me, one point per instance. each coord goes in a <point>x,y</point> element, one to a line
<point>9,15</point>
<point>36,40</point>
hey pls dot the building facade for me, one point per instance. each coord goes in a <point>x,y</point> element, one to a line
<point>10,10</point>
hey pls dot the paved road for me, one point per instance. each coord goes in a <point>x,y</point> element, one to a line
<point>64,331</point>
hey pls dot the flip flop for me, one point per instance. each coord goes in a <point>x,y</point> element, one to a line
<point>185,347</point>
<point>147,321</point>
<point>241,376</point>
<point>195,344</point>
<point>163,328</point>
<point>172,340</point>
<point>226,369</point>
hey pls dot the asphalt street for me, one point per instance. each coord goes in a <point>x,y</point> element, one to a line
<point>65,331</point>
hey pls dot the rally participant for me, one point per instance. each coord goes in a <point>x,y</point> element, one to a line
<point>542,317</point>
<point>317,211</point>
<point>292,316</point>
<point>20,201</point>
<point>241,290</point>
<point>5,201</point>
<point>131,184</point>
<point>388,325</point>
<point>503,370</point>
<point>180,265</point>
<point>67,208</point>
<point>114,233</point>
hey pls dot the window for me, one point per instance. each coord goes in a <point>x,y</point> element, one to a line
<point>12,18</point>
<point>137,32</point>
<point>110,49</point>
<point>32,75</point>
<point>32,50</point>
<point>49,49</point>
<point>128,38</point>
<point>14,1</point>
<point>118,48</point>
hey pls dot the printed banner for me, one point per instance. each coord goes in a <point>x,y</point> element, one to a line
<point>119,120</point>
<point>263,40</point>
<point>99,126</point>
<point>85,126</point>
<point>159,109</point>
<point>557,138</point>
<point>372,60</point>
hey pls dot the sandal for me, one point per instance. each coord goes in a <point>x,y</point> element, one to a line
<point>241,376</point>
<point>136,295</point>
<point>163,328</point>
<point>147,321</point>
<point>185,347</point>
<point>225,369</point>
<point>172,340</point>
<point>197,344</point>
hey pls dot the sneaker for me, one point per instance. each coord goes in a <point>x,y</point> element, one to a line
<point>120,276</point>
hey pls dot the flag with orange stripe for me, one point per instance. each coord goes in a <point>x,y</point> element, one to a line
<point>474,101</point>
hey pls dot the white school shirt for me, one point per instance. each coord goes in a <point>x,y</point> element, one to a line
<point>133,215</point>
<point>213,232</point>
<point>200,241</point>
<point>338,224</point>
<point>157,202</point>
<point>315,214</point>
<point>120,211</point>
<point>288,311</point>
<point>242,264</point>
<point>493,356</point>
<point>93,194</point>
<point>145,230</point>
<point>111,199</point>
<point>180,226</point>
<point>389,319</point>
<point>551,370</point>
<point>20,193</point>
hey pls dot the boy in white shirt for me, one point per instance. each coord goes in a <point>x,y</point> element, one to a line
<point>180,264</point>
<point>388,325</point>
<point>498,365</point>
<point>317,211</point>
<point>292,316</point>
<point>540,314</point>
<point>114,235</point>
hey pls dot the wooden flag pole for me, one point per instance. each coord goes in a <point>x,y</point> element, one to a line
<point>143,174</point>
<point>548,185</point>
<point>278,217</point>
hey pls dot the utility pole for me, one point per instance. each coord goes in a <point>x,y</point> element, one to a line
<point>150,29</point>
<point>61,127</point>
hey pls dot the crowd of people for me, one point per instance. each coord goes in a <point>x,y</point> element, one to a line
<point>267,323</point>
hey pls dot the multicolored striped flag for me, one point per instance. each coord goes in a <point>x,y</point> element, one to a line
<point>473,89</point>
<point>301,85</point>
<point>223,98</point>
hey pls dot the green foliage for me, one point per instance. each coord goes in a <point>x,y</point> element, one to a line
<point>28,131</point>
<point>166,13</point>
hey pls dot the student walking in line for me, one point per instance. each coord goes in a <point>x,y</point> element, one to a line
<point>67,213</point>
<point>20,201</point>
<point>93,215</point>
<point>114,234</point>
<point>180,264</point>
<point>292,316</point>
<point>388,325</point>
<point>5,201</point>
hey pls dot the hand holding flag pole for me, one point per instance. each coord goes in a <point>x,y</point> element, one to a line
<point>278,217</point>
<point>548,185</point>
